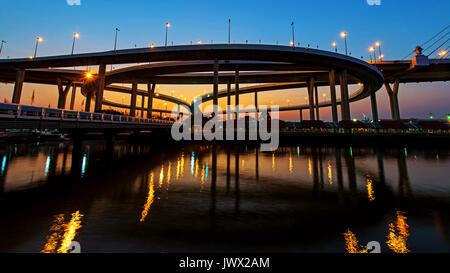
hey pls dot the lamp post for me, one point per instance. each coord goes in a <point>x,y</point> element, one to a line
<point>167,29</point>
<point>378,44</point>
<point>38,40</point>
<point>334,44</point>
<point>1,46</point>
<point>293,31</point>
<point>115,41</point>
<point>344,35</point>
<point>229,31</point>
<point>75,36</point>
<point>372,49</point>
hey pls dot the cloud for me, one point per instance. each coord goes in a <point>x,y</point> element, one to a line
<point>73,2</point>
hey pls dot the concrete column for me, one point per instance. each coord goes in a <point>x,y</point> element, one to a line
<point>216,85</point>
<point>373,102</point>
<point>20,77</point>
<point>334,111</point>
<point>100,87</point>
<point>311,98</point>
<point>142,106</point>
<point>151,92</point>
<point>62,93</point>
<point>301,115</point>
<point>393,99</point>
<point>72,98</point>
<point>316,95</point>
<point>133,99</point>
<point>345,105</point>
<point>87,105</point>
<point>256,104</point>
<point>229,97</point>
<point>236,91</point>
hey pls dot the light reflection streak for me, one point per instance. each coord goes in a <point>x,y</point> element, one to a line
<point>64,233</point>
<point>3,164</point>
<point>370,191</point>
<point>273,162</point>
<point>330,173</point>
<point>47,166</point>
<point>150,199</point>
<point>398,234</point>
<point>351,243</point>
<point>291,168</point>
<point>161,177</point>
<point>309,167</point>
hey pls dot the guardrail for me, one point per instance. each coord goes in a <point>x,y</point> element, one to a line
<point>40,113</point>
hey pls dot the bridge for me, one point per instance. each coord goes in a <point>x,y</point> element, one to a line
<point>267,67</point>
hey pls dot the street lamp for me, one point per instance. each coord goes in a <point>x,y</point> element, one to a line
<point>1,46</point>
<point>293,40</point>
<point>38,40</point>
<point>199,42</point>
<point>334,44</point>
<point>115,41</point>
<point>75,36</point>
<point>229,31</point>
<point>378,44</point>
<point>440,54</point>
<point>344,35</point>
<point>167,29</point>
<point>372,49</point>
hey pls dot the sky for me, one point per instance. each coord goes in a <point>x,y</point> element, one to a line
<point>400,25</point>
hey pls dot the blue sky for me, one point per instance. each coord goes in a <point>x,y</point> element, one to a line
<point>399,24</point>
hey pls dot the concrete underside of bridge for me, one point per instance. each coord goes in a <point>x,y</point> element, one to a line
<point>267,67</point>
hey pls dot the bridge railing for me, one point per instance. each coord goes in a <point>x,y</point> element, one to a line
<point>40,113</point>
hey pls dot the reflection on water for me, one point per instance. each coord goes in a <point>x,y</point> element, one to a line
<point>63,233</point>
<point>223,198</point>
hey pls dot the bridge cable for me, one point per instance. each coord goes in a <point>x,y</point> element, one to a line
<point>436,41</point>
<point>438,47</point>
<point>428,41</point>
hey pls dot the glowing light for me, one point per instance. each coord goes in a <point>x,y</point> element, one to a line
<point>64,233</point>
<point>443,53</point>
<point>88,75</point>
<point>273,162</point>
<point>199,42</point>
<point>161,177</point>
<point>381,56</point>
<point>39,39</point>
<point>334,44</point>
<point>343,34</point>
<point>52,240</point>
<point>150,199</point>
<point>192,163</point>
<point>31,57</point>
<point>292,42</point>
<point>167,24</point>
<point>371,49</point>
<point>377,43</point>
<point>309,167</point>
<point>76,35</point>
<point>152,45</point>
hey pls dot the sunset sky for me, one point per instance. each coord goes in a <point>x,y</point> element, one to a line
<point>400,25</point>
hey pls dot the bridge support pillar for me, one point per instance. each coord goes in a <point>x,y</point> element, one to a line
<point>311,98</point>
<point>332,79</point>
<point>142,106</point>
<point>345,105</point>
<point>301,115</point>
<point>20,77</point>
<point>373,102</point>
<point>87,105</point>
<point>133,99</point>
<point>72,98</point>
<point>216,85</point>
<point>228,98</point>
<point>393,99</point>
<point>151,92</point>
<point>316,96</point>
<point>236,92</point>
<point>62,93</point>
<point>100,87</point>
